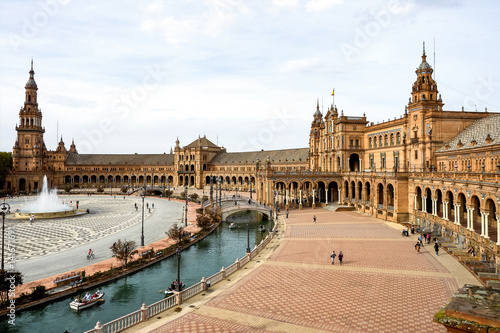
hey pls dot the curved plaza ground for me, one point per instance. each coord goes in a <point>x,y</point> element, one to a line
<point>383,285</point>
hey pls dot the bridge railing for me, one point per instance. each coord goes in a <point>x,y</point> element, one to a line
<point>152,310</point>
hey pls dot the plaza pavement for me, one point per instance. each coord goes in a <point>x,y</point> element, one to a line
<point>382,286</point>
<point>52,247</point>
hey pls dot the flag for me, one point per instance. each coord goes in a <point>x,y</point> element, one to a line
<point>333,91</point>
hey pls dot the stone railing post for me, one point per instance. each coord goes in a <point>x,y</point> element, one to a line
<point>238,264</point>
<point>144,312</point>
<point>223,273</point>
<point>178,297</point>
<point>203,284</point>
<point>98,327</point>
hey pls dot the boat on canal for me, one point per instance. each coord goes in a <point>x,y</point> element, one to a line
<point>83,303</point>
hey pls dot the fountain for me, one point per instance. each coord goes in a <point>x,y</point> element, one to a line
<point>46,205</point>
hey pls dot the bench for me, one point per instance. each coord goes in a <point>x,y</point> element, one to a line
<point>146,254</point>
<point>67,279</point>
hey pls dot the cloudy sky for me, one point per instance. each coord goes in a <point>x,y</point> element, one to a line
<point>132,76</point>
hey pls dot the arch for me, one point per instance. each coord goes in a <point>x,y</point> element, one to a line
<point>390,197</point>
<point>163,179</point>
<point>353,191</point>
<point>476,214</point>
<point>207,180</point>
<point>109,179</point>
<point>22,184</point>
<point>354,164</point>
<point>360,191</point>
<point>333,191</point>
<point>102,179</point>
<point>93,179</point>
<point>418,198</point>
<point>368,193</point>
<point>67,179</point>
<point>133,179</point>
<point>391,139</point>
<point>346,190</point>
<point>439,203</point>
<point>491,210</point>
<point>398,138</point>
<point>126,179</point>
<point>156,179</point>
<point>380,195</point>
<point>240,181</point>
<point>181,181</point>
<point>186,167</point>
<point>118,179</point>
<point>170,179</point>
<point>321,191</point>
<point>148,180</point>
<point>191,181</point>
<point>85,179</point>
<point>451,205</point>
<point>462,218</point>
<point>76,179</point>
<point>428,200</point>
<point>192,167</point>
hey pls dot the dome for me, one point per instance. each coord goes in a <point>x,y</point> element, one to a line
<point>424,65</point>
<point>31,83</point>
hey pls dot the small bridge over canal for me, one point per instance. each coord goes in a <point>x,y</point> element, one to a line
<point>235,204</point>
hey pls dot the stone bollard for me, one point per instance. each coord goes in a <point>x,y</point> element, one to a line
<point>238,263</point>
<point>144,312</point>
<point>223,273</point>
<point>98,327</point>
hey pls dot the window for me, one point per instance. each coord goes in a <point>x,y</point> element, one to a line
<point>392,139</point>
<point>416,154</point>
<point>386,140</point>
<point>370,142</point>
<point>398,138</point>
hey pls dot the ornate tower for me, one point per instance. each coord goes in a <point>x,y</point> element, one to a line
<point>315,137</point>
<point>29,148</point>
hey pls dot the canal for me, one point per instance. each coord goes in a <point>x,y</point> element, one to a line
<point>127,294</point>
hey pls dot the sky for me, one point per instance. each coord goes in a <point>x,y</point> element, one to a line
<point>133,76</point>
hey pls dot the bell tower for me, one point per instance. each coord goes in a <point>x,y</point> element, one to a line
<point>315,137</point>
<point>29,148</point>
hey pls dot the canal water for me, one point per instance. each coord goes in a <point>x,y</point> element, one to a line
<point>127,294</point>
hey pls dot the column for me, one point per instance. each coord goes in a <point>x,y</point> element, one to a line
<point>486,214</point>
<point>300,199</point>
<point>415,202</point>
<point>314,194</point>
<point>434,206</point>
<point>482,224</point>
<point>424,200</point>
<point>458,213</point>
<point>445,210</point>
<point>470,219</point>
<point>326,194</point>
<point>339,196</point>
<point>498,229</point>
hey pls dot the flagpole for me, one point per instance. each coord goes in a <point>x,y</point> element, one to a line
<point>333,98</point>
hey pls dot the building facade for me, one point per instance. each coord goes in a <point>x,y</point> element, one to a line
<point>436,168</point>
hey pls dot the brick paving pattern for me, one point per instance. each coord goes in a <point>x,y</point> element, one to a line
<point>331,300</point>
<point>193,323</point>
<point>368,230</point>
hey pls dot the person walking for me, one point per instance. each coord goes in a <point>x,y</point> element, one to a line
<point>341,256</point>
<point>333,255</point>
<point>287,213</point>
<point>314,218</point>
<point>428,238</point>
<point>420,239</point>
<point>436,248</point>
<point>417,247</point>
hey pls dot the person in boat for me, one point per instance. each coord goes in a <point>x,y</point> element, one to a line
<point>97,293</point>
<point>173,285</point>
<point>87,297</point>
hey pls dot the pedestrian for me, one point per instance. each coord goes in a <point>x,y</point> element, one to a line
<point>428,238</point>
<point>417,246</point>
<point>341,256</point>
<point>420,239</point>
<point>412,230</point>
<point>287,214</point>
<point>314,218</point>
<point>333,255</point>
<point>436,248</point>
<point>153,205</point>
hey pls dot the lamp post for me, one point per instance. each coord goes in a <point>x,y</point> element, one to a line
<point>126,253</point>
<point>220,193</point>
<point>250,189</point>
<point>178,253</point>
<point>142,231</point>
<point>275,204</point>
<point>211,189</point>
<point>186,215</point>
<point>5,207</point>
<point>248,238</point>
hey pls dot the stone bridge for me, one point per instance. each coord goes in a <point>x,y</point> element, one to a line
<point>232,205</point>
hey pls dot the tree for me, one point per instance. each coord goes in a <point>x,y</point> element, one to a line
<point>203,221</point>
<point>124,188</point>
<point>183,194</point>
<point>168,193</point>
<point>123,250</point>
<point>193,196</point>
<point>175,232</point>
<point>67,188</point>
<point>5,166</point>
<point>7,278</point>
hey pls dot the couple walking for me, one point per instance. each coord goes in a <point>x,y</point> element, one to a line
<point>333,255</point>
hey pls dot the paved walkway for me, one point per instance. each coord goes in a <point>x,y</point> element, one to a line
<point>382,286</point>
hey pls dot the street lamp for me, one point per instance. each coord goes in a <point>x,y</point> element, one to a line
<point>248,238</point>
<point>220,192</point>
<point>126,253</point>
<point>142,232</point>
<point>5,207</point>
<point>186,215</point>
<point>178,253</point>
<point>250,189</point>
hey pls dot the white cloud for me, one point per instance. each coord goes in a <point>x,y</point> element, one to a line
<point>302,65</point>
<point>319,5</point>
<point>285,3</point>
